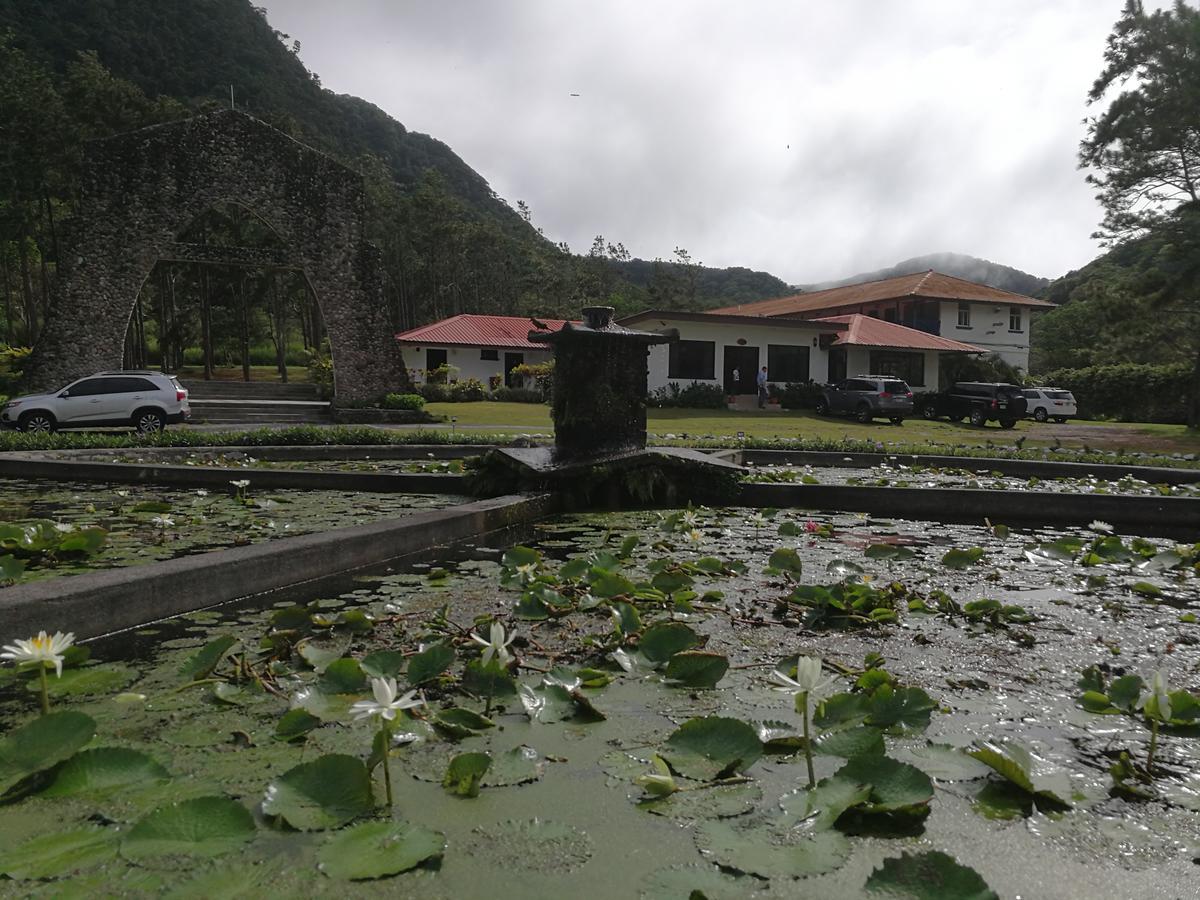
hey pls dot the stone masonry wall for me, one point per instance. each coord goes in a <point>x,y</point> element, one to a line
<point>144,188</point>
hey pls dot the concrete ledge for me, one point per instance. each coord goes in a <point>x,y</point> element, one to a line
<point>1174,517</point>
<point>19,466</point>
<point>281,452</point>
<point>113,599</point>
<point>1020,468</point>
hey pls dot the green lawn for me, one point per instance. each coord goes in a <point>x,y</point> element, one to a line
<point>525,417</point>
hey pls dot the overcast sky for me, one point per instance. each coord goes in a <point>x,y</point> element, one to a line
<point>809,138</point>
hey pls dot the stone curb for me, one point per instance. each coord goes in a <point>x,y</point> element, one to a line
<point>110,600</point>
<point>1175,517</point>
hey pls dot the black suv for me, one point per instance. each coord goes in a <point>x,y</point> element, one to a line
<point>866,397</point>
<point>979,401</point>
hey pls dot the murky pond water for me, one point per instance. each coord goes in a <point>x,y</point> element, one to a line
<point>558,812</point>
<point>972,477</point>
<point>147,523</point>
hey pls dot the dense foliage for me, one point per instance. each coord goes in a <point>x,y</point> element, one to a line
<point>691,396</point>
<point>1132,392</point>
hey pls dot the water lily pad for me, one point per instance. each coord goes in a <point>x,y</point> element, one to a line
<point>895,786</point>
<point>54,855</point>
<point>821,806</point>
<point>548,703</point>
<point>960,559</point>
<point>378,849</point>
<point>207,658</point>
<point>662,641</point>
<point>1019,766</point>
<point>205,826</point>
<point>325,793</point>
<point>520,765</point>
<point>104,769</point>
<point>326,707</point>
<point>342,676</point>
<point>465,772</point>
<point>228,883</point>
<point>535,845</point>
<point>697,668</point>
<point>718,801</point>
<point>945,763</point>
<point>694,882</point>
<point>709,747</point>
<point>458,722</point>
<point>294,724</point>
<point>41,744</point>
<point>848,743</point>
<point>430,663</point>
<point>321,652</point>
<point>784,561</point>
<point>770,850</point>
<point>932,875</point>
<point>105,679</point>
<point>900,710</point>
<point>383,664</point>
<point>486,681</point>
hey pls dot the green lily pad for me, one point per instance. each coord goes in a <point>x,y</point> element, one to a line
<point>458,722</point>
<point>945,763</point>
<point>383,664</point>
<point>932,875</point>
<point>321,652</point>
<point>535,845</point>
<point>719,801</point>
<point>106,679</point>
<point>694,881</point>
<point>709,747</point>
<point>205,826</point>
<point>960,559</point>
<point>1016,764</point>
<point>430,663</point>
<point>784,561</point>
<point>888,551</point>
<point>895,786</point>
<point>900,710</point>
<point>697,668</point>
<point>42,744</point>
<point>770,851</point>
<point>520,765</point>
<point>486,681</point>
<point>104,769</point>
<point>550,702</point>
<point>342,676</point>
<point>848,743</point>
<point>662,641</point>
<point>54,855</point>
<point>228,883</point>
<point>207,658</point>
<point>295,724</point>
<point>628,620</point>
<point>378,849</point>
<point>325,793</point>
<point>465,772</point>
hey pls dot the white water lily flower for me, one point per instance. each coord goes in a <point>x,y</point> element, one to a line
<point>41,649</point>
<point>201,492</point>
<point>808,680</point>
<point>689,519</point>
<point>527,572</point>
<point>241,484</point>
<point>386,704</point>
<point>162,521</point>
<point>757,519</point>
<point>1156,702</point>
<point>121,493</point>
<point>497,646</point>
<point>1101,527</point>
<point>64,527</point>
<point>695,536</point>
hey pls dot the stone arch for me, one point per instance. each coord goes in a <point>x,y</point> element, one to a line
<point>142,189</point>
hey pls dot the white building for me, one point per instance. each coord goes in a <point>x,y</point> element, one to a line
<point>486,348</point>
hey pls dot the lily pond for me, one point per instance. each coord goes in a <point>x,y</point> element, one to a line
<point>616,708</point>
<point>61,528</point>
<point>918,476</point>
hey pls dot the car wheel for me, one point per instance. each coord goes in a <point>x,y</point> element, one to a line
<point>864,414</point>
<point>822,407</point>
<point>897,420</point>
<point>1061,420</point>
<point>1040,414</point>
<point>37,422</point>
<point>1008,423</point>
<point>978,418</point>
<point>149,421</point>
<point>930,411</point>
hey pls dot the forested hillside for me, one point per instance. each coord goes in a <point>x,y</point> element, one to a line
<point>73,70</point>
<point>972,268</point>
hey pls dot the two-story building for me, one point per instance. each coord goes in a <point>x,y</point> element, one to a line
<point>486,348</point>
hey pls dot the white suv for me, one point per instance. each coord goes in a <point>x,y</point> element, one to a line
<point>1049,403</point>
<point>146,400</point>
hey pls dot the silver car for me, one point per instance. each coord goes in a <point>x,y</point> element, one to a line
<point>145,400</point>
<point>867,397</point>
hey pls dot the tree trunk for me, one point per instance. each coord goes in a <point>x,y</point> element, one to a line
<point>31,319</point>
<point>279,330</point>
<point>9,331</point>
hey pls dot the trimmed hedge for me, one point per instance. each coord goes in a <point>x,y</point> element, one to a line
<point>517,395</point>
<point>800,395</point>
<point>403,401</point>
<point>1128,392</point>
<point>694,396</point>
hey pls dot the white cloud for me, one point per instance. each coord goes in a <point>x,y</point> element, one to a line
<point>808,139</point>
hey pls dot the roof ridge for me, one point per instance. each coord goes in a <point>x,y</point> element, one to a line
<point>920,284</point>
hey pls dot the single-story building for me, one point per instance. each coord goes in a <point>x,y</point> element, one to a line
<point>486,348</point>
<point>988,318</point>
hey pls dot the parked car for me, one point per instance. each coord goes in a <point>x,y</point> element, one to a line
<point>1050,403</point>
<point>867,397</point>
<point>981,402</point>
<point>147,401</point>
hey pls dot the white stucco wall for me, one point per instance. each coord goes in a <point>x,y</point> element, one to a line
<point>724,334</point>
<point>989,330</point>
<point>466,360</point>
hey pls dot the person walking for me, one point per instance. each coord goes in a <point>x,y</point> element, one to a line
<point>762,388</point>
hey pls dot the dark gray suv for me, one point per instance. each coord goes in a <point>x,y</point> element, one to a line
<point>867,397</point>
<point>979,401</point>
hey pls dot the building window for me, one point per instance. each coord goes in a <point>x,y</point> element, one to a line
<point>787,363</point>
<point>489,353</point>
<point>692,359</point>
<point>908,366</point>
<point>964,315</point>
<point>1014,318</point>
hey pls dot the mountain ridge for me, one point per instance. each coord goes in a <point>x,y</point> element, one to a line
<point>960,265</point>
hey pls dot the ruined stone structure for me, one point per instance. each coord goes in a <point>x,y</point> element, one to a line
<point>141,190</point>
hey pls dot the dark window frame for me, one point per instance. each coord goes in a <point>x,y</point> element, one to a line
<point>694,360</point>
<point>903,365</point>
<point>489,354</point>
<point>777,360</point>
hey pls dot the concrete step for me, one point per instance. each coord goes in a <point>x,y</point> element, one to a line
<point>248,390</point>
<point>220,412</point>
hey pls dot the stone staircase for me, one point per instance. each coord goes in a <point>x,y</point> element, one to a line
<point>255,403</point>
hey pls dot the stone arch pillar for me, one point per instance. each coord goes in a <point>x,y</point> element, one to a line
<point>142,189</point>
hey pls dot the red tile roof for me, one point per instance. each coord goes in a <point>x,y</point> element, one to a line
<point>865,331</point>
<point>470,330</point>
<point>931,284</point>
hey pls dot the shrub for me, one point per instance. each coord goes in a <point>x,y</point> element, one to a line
<point>1131,392</point>
<point>12,362</point>
<point>541,373</point>
<point>403,401</point>
<point>468,391</point>
<point>441,375</point>
<point>434,393</point>
<point>694,396</point>
<point>800,395</point>
<point>517,395</point>
<point>320,371</point>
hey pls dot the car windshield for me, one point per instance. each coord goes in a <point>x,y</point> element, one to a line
<point>895,387</point>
